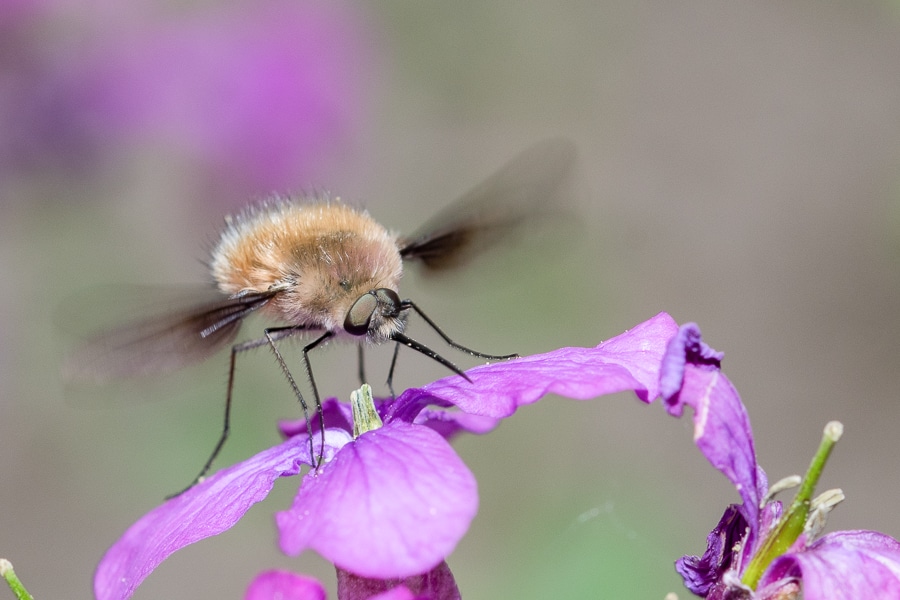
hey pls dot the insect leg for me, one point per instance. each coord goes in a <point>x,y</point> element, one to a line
<point>312,381</point>
<point>412,305</point>
<point>274,334</point>
<point>226,425</point>
<point>390,377</point>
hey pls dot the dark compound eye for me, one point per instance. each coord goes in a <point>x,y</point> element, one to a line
<point>389,301</point>
<point>359,318</point>
<point>360,314</point>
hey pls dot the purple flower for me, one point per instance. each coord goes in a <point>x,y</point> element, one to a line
<point>437,584</point>
<point>845,564</point>
<point>259,93</point>
<point>266,90</point>
<point>394,502</point>
<point>284,585</point>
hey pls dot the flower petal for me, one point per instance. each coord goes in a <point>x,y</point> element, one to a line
<point>700,574</point>
<point>842,566</point>
<point>339,415</point>
<point>336,414</point>
<point>690,376</point>
<point>449,423</point>
<point>284,585</point>
<point>687,347</point>
<point>207,509</point>
<point>392,503</point>
<point>436,584</point>
<point>630,361</point>
<point>398,593</point>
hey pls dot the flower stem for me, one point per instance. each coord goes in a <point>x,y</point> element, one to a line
<point>6,571</point>
<point>791,524</point>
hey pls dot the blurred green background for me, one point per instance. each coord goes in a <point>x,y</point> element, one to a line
<point>740,163</point>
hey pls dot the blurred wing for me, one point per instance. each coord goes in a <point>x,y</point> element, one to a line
<point>164,343</point>
<point>528,187</point>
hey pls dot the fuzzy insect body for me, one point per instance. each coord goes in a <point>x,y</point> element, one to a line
<point>326,270</point>
<point>318,258</point>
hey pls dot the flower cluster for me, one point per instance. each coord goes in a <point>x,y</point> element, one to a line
<point>257,93</point>
<point>751,553</point>
<point>389,504</point>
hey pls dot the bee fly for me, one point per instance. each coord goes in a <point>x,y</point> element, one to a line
<point>321,267</point>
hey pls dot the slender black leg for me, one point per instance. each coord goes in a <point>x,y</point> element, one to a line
<point>271,336</point>
<point>411,304</point>
<point>390,377</point>
<point>312,380</point>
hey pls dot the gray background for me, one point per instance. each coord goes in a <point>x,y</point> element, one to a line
<point>741,170</point>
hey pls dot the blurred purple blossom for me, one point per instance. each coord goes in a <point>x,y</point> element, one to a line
<point>284,585</point>
<point>259,92</point>
<point>840,565</point>
<point>393,503</point>
<point>437,584</point>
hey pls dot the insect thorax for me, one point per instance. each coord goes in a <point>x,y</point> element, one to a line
<point>321,256</point>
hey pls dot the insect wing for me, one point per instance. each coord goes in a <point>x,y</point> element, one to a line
<point>528,187</point>
<point>164,343</point>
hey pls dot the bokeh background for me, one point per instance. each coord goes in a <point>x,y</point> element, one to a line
<point>740,168</point>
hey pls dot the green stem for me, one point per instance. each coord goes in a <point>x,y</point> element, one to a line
<point>6,571</point>
<point>791,524</point>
